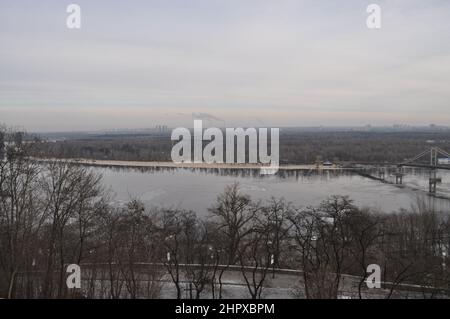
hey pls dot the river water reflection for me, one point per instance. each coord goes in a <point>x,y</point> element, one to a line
<point>197,189</point>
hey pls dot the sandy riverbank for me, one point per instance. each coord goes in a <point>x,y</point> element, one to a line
<point>91,162</point>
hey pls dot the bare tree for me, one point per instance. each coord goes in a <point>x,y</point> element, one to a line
<point>20,214</point>
<point>255,258</point>
<point>111,224</point>
<point>365,231</point>
<point>235,213</point>
<point>323,240</point>
<point>68,189</point>
<point>199,269</point>
<point>171,229</point>
<point>275,218</point>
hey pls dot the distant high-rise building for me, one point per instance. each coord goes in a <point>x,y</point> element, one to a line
<point>161,128</point>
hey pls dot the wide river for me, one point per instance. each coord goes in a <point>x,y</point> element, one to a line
<point>197,189</point>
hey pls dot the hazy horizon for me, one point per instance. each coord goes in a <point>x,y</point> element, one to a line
<point>342,128</point>
<point>138,64</point>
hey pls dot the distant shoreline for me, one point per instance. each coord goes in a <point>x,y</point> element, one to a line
<point>159,164</point>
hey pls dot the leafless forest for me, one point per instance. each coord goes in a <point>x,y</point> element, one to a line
<point>57,214</point>
<point>296,146</point>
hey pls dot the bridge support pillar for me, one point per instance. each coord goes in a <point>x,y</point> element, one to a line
<point>432,187</point>
<point>399,176</point>
<point>434,180</point>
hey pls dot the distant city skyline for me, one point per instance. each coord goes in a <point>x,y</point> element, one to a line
<point>289,63</point>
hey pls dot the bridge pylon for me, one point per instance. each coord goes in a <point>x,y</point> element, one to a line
<point>433,154</point>
<point>399,175</point>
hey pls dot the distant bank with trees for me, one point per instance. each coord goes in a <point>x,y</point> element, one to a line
<point>296,147</point>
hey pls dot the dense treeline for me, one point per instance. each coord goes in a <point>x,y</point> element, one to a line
<point>359,146</point>
<point>58,214</point>
<point>149,148</point>
<point>295,147</point>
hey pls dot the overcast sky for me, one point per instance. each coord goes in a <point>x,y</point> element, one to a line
<point>137,64</point>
